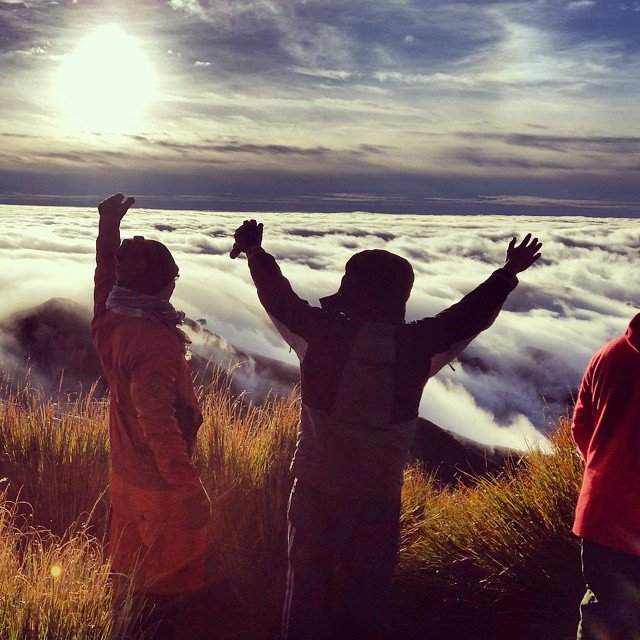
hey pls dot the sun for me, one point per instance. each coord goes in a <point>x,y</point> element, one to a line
<point>106,83</point>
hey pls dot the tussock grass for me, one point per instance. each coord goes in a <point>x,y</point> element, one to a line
<point>53,587</point>
<point>496,557</point>
<point>500,552</point>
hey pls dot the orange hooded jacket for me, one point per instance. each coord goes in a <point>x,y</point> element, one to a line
<point>154,413</point>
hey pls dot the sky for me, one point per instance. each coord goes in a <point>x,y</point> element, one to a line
<point>323,105</point>
<point>509,387</point>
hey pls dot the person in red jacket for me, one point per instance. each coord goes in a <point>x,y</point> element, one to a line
<point>159,508</point>
<point>606,428</point>
<point>363,370</point>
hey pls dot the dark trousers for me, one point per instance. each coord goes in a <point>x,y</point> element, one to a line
<point>329,536</point>
<point>610,609</point>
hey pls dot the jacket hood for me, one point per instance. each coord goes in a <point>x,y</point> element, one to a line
<point>376,286</point>
<point>633,333</point>
<point>145,266</point>
<point>343,302</point>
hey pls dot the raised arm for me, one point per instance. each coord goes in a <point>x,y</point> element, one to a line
<point>451,330</point>
<point>294,317</point>
<point>111,212</point>
<point>153,384</point>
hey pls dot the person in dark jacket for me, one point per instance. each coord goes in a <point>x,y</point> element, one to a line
<point>605,428</point>
<point>159,508</point>
<point>363,370</point>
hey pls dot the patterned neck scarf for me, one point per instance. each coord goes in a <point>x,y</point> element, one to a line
<point>126,302</point>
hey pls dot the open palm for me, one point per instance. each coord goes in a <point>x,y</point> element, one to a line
<point>521,257</point>
<point>115,207</point>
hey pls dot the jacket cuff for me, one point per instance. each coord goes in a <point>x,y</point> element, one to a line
<point>506,275</point>
<point>194,487</point>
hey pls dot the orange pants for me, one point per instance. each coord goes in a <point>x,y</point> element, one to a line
<point>150,542</point>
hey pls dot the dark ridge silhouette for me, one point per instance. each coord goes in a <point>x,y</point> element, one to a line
<point>52,342</point>
<point>452,458</point>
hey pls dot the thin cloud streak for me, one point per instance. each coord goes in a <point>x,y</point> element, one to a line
<point>322,93</point>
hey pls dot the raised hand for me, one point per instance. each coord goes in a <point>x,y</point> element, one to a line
<point>115,207</point>
<point>521,257</point>
<point>248,235</point>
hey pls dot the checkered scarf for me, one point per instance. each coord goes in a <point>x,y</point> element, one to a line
<point>126,302</point>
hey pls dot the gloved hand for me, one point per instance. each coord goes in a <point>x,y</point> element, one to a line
<point>197,509</point>
<point>247,236</point>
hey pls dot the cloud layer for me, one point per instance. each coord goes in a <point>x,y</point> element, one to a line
<point>509,385</point>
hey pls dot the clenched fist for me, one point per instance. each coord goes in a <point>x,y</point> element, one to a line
<point>247,236</point>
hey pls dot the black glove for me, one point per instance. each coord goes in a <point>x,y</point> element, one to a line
<point>247,236</point>
<point>197,509</point>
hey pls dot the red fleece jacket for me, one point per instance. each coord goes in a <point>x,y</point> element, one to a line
<point>606,428</point>
<point>154,414</point>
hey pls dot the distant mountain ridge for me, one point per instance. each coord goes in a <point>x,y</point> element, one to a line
<point>52,344</point>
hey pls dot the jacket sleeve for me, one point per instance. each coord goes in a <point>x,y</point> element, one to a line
<point>107,246</point>
<point>280,301</point>
<point>463,321</point>
<point>153,392</point>
<point>582,423</point>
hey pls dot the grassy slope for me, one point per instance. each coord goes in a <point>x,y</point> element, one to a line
<point>494,560</point>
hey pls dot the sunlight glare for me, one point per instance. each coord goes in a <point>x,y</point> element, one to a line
<point>106,83</point>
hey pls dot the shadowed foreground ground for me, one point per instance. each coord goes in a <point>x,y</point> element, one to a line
<point>491,560</point>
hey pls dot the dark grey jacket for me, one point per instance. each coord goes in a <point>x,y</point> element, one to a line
<point>362,381</point>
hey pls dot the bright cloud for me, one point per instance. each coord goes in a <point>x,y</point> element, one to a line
<point>581,4</point>
<point>508,386</point>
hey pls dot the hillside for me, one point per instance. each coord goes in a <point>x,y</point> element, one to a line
<point>53,343</point>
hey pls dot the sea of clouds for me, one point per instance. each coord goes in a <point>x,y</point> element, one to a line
<point>509,386</point>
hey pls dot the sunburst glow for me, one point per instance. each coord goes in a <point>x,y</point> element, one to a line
<point>107,82</point>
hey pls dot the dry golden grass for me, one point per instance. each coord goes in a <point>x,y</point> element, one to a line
<point>501,549</point>
<point>498,554</point>
<point>54,587</point>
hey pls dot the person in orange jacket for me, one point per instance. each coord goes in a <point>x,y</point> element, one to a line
<point>159,507</point>
<point>605,428</point>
